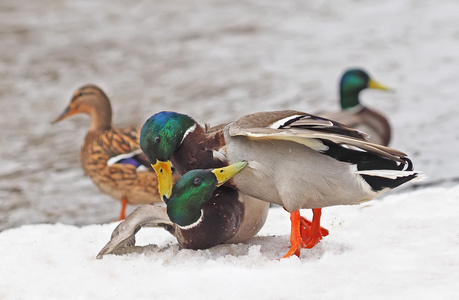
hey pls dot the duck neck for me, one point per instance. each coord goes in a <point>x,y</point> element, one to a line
<point>192,218</point>
<point>101,116</point>
<point>196,151</point>
<point>349,99</point>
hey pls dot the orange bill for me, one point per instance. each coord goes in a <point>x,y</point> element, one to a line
<point>67,112</point>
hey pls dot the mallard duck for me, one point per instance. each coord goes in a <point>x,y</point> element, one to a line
<point>200,214</point>
<point>296,160</point>
<point>110,156</point>
<point>356,115</point>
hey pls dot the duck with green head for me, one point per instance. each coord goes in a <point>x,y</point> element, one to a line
<point>296,160</point>
<point>354,114</point>
<point>200,213</point>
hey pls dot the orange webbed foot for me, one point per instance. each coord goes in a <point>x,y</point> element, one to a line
<point>306,229</point>
<point>295,236</point>
<point>305,233</point>
<point>312,232</point>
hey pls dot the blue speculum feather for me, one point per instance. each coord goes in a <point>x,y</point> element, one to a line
<point>130,161</point>
<point>133,158</point>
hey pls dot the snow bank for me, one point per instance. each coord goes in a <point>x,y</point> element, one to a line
<point>402,246</point>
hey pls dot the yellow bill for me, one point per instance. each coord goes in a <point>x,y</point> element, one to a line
<point>226,173</point>
<point>376,85</point>
<point>164,173</point>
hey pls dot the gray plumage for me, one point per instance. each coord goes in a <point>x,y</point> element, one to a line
<point>290,163</point>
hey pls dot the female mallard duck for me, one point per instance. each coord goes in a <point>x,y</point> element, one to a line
<point>295,159</point>
<point>356,115</point>
<point>200,213</point>
<point>112,157</point>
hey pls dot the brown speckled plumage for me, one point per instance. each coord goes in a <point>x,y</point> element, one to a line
<point>118,180</point>
<point>124,182</point>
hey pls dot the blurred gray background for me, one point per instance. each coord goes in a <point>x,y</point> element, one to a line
<point>215,60</point>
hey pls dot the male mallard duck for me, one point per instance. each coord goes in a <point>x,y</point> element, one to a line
<point>200,213</point>
<point>356,115</point>
<point>112,157</point>
<point>295,159</point>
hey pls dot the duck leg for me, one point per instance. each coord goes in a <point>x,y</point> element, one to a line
<point>312,232</point>
<point>123,209</point>
<point>296,240</point>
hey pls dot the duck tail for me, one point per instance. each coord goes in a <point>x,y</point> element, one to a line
<point>390,178</point>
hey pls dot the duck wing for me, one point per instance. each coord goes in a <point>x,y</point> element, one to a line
<point>143,216</point>
<point>320,134</point>
<point>382,167</point>
<point>122,147</point>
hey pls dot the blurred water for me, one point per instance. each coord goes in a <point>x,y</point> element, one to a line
<point>215,60</point>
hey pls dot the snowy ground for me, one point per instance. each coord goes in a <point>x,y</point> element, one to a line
<point>218,60</point>
<point>404,247</point>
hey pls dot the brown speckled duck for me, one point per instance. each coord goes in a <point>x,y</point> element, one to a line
<point>356,115</point>
<point>110,156</point>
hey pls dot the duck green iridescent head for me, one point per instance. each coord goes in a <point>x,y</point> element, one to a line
<point>352,82</point>
<point>194,189</point>
<point>161,134</point>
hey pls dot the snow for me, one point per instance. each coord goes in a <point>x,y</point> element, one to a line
<point>402,247</point>
<point>218,60</point>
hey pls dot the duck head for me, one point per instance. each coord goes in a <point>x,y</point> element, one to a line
<point>194,189</point>
<point>352,83</point>
<point>161,134</point>
<point>90,100</point>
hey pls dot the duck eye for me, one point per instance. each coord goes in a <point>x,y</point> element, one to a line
<point>157,139</point>
<point>197,181</point>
